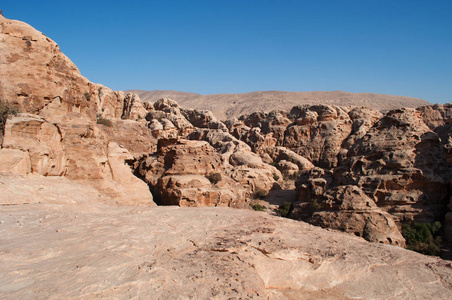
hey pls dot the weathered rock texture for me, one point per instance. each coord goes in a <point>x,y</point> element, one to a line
<point>399,161</point>
<point>77,149</point>
<point>194,147</point>
<point>95,251</point>
<point>57,134</point>
<point>358,170</point>
<point>37,77</point>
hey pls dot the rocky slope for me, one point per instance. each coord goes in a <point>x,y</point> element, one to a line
<point>229,106</point>
<point>367,169</point>
<point>90,250</point>
<point>56,133</point>
<point>78,151</point>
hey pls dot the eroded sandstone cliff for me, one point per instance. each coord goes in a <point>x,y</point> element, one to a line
<point>356,170</point>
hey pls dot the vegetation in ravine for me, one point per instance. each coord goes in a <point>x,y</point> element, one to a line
<point>423,237</point>
<point>284,209</point>
<point>258,207</point>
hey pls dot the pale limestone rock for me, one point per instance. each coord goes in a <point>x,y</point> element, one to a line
<point>33,189</point>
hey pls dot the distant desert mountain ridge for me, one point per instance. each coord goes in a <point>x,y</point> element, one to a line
<point>228,106</point>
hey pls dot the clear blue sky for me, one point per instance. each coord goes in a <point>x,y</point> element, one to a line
<point>393,47</point>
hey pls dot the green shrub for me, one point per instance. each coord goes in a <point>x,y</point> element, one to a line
<point>104,121</point>
<point>275,176</point>
<point>316,205</point>
<point>214,178</point>
<point>6,110</point>
<point>260,194</point>
<point>284,209</point>
<point>258,207</point>
<point>423,237</point>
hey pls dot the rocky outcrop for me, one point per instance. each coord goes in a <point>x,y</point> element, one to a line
<point>318,132</point>
<point>194,145</point>
<point>37,143</point>
<point>203,119</point>
<point>239,162</point>
<point>77,149</point>
<point>349,209</point>
<point>399,164</point>
<point>400,160</point>
<point>57,134</point>
<point>203,253</point>
<point>178,174</point>
<point>39,79</point>
<point>168,120</point>
<point>358,170</point>
<point>133,108</point>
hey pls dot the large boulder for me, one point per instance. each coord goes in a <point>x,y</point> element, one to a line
<point>189,173</point>
<point>347,208</point>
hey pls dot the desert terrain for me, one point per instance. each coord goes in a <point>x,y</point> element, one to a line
<point>229,106</point>
<point>104,195</point>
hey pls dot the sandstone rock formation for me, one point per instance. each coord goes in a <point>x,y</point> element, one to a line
<point>348,208</point>
<point>178,175</point>
<point>92,251</point>
<point>358,170</point>
<point>38,78</point>
<point>57,134</point>
<point>75,148</point>
<point>400,160</point>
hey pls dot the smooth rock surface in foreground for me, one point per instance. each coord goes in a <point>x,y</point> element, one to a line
<point>50,251</point>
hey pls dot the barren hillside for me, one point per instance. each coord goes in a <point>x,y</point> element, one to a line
<point>227,106</point>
